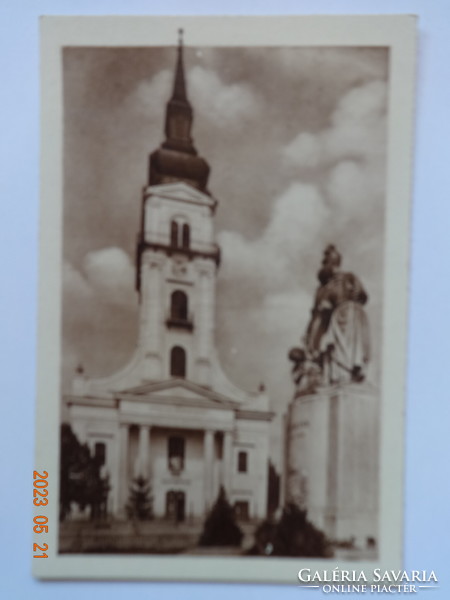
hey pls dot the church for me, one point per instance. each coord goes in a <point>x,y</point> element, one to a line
<point>171,415</point>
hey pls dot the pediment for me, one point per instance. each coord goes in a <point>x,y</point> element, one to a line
<point>176,390</point>
<point>181,191</point>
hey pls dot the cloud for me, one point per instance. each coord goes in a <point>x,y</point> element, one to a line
<point>269,262</point>
<point>286,314</point>
<point>268,282</point>
<point>266,288</point>
<point>297,218</point>
<point>149,98</point>
<point>357,131</point>
<point>355,191</point>
<point>362,104</point>
<point>221,104</point>
<point>348,159</point>
<point>358,124</point>
<point>74,284</point>
<point>303,151</point>
<point>99,313</point>
<point>111,275</point>
<point>343,67</point>
<point>259,335</point>
<point>224,104</point>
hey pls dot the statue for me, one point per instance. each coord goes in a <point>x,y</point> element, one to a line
<point>337,337</point>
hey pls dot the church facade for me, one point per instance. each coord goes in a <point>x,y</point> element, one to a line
<point>171,415</point>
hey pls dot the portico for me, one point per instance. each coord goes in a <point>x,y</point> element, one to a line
<point>184,440</point>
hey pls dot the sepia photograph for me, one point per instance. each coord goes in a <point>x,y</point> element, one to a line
<point>229,335</point>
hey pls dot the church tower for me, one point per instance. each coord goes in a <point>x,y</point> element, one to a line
<point>171,415</point>
<point>176,255</point>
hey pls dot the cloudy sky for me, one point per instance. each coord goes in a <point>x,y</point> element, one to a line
<point>295,138</point>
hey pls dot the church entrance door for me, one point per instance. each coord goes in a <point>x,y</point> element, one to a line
<point>175,505</point>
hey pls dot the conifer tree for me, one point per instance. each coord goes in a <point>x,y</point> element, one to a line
<point>220,528</point>
<point>140,502</point>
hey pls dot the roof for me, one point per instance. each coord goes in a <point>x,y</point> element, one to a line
<point>177,391</point>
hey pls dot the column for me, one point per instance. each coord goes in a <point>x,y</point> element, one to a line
<point>141,467</point>
<point>227,462</point>
<point>123,465</point>
<point>208,448</point>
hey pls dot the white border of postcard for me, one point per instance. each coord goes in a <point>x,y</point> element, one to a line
<point>398,32</point>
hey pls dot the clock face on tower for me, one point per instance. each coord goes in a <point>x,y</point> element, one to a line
<point>179,266</point>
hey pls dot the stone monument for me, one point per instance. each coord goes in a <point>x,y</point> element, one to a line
<point>332,422</point>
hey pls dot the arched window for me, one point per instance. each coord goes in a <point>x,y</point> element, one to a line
<point>179,306</point>
<point>174,234</point>
<point>186,235</point>
<point>180,233</point>
<point>178,362</point>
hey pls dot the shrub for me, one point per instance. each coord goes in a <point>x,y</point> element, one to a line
<point>220,527</point>
<point>140,503</point>
<point>292,535</point>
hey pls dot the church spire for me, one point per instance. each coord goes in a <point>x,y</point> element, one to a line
<point>177,158</point>
<point>179,111</point>
<point>179,85</point>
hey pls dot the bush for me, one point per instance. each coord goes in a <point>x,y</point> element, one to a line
<point>140,503</point>
<point>293,535</point>
<point>220,528</point>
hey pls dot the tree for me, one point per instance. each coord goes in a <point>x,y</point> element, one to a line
<point>140,503</point>
<point>273,492</point>
<point>292,535</point>
<point>220,527</point>
<point>70,450</point>
<point>80,477</point>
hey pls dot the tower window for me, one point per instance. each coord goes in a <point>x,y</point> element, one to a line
<point>178,316</point>
<point>186,235</point>
<point>180,233</point>
<point>242,462</point>
<point>179,306</point>
<point>174,234</point>
<point>178,362</point>
<point>175,454</point>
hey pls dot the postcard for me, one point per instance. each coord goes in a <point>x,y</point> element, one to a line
<point>223,297</point>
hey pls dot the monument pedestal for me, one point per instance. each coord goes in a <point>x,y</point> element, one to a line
<point>332,447</point>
